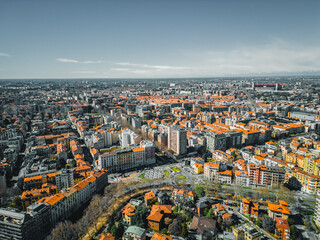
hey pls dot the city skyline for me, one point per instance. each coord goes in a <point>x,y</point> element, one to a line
<point>143,39</point>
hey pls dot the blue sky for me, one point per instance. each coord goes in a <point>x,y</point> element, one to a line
<point>167,38</point>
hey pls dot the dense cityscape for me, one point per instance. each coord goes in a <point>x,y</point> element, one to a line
<point>160,159</point>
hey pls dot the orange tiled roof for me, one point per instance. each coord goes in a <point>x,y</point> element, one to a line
<point>106,236</point>
<point>53,199</point>
<point>160,236</point>
<point>149,195</point>
<point>278,208</point>
<point>219,207</point>
<point>81,185</point>
<point>129,210</point>
<point>138,149</point>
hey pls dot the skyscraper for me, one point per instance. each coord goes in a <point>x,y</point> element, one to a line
<point>177,140</point>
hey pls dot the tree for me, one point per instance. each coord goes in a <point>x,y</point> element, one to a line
<point>176,209</point>
<point>264,192</point>
<point>164,231</point>
<point>64,231</point>
<point>293,231</point>
<point>184,231</point>
<point>139,217</point>
<point>241,235</point>
<point>285,194</point>
<point>60,163</point>
<point>113,230</point>
<point>269,224</point>
<point>205,211</point>
<point>199,190</point>
<point>175,227</point>
<point>234,156</point>
<point>210,214</point>
<point>293,184</point>
<point>167,221</point>
<point>204,157</point>
<point>117,230</point>
<point>188,215</point>
<point>217,185</point>
<point>258,222</point>
<point>74,163</point>
<point>306,224</point>
<point>120,230</point>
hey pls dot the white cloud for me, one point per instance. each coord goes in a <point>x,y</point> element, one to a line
<point>67,60</point>
<point>157,67</point>
<point>2,54</point>
<point>121,69</point>
<point>92,62</point>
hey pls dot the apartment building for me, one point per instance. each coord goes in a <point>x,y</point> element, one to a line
<point>177,140</point>
<point>210,170</point>
<point>263,175</point>
<point>310,183</point>
<point>249,208</point>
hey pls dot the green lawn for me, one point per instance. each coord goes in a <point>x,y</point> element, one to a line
<point>181,177</point>
<point>176,169</point>
<point>166,174</point>
<point>142,176</point>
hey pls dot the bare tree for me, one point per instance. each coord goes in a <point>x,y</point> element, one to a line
<point>64,231</point>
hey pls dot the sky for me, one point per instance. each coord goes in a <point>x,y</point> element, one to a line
<point>157,39</point>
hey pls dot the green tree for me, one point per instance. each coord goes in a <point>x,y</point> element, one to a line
<point>199,190</point>
<point>210,214</point>
<point>205,211</point>
<point>234,156</point>
<point>74,163</point>
<point>117,230</point>
<point>269,224</point>
<point>293,232</point>
<point>306,224</point>
<point>113,230</point>
<point>184,231</point>
<point>204,157</point>
<point>164,231</point>
<point>139,217</point>
<point>176,209</point>
<point>258,222</point>
<point>120,230</point>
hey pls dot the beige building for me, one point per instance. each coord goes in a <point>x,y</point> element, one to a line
<point>177,140</point>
